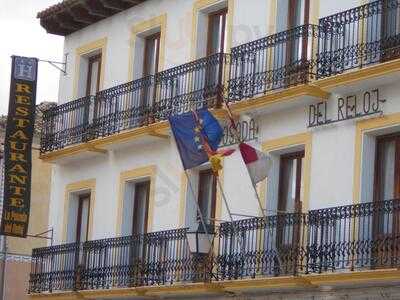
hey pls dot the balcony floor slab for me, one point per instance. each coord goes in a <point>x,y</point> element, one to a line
<point>310,282</point>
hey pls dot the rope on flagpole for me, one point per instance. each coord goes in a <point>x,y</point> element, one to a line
<point>234,127</point>
<point>233,124</point>
<point>202,220</point>
<point>208,151</point>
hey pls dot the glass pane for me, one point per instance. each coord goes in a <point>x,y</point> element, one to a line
<point>299,17</point>
<point>140,213</point>
<point>288,185</point>
<point>206,190</point>
<point>93,77</point>
<point>152,47</point>
<point>217,33</point>
<point>386,170</point>
<point>290,177</point>
<point>84,220</point>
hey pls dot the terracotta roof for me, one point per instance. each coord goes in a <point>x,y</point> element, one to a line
<point>54,9</point>
<point>69,16</point>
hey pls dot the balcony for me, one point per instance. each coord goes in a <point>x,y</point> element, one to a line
<point>358,37</point>
<point>275,62</point>
<point>136,104</point>
<point>353,39</point>
<point>340,239</point>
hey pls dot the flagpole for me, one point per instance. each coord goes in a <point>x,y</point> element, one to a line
<point>233,124</point>
<point>194,200</point>
<point>224,197</point>
<point>215,173</point>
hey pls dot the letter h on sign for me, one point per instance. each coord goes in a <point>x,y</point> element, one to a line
<point>25,68</point>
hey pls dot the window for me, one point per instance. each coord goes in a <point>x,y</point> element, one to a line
<point>82,218</point>
<point>135,207</point>
<point>207,194</point>
<point>292,13</point>
<point>292,52</point>
<point>290,182</point>
<point>216,39</point>
<point>93,74</point>
<point>140,207</point>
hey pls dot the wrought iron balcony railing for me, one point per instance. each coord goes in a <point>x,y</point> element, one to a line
<point>149,259</point>
<point>277,61</point>
<point>359,36</point>
<point>137,103</point>
<point>354,237</point>
<point>67,124</point>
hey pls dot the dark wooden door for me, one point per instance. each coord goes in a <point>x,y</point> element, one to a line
<point>289,211</point>
<point>386,214</point>
<point>139,259</point>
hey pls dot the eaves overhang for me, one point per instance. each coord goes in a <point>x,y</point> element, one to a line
<point>70,16</point>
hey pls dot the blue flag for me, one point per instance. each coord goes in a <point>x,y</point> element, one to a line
<point>190,132</point>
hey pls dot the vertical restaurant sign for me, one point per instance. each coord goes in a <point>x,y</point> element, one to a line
<point>18,147</point>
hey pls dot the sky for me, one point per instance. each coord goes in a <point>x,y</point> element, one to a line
<point>21,34</point>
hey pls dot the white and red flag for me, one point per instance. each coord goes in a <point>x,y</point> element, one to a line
<point>257,162</point>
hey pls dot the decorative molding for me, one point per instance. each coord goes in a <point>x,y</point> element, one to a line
<point>309,281</point>
<point>349,77</point>
<point>289,94</point>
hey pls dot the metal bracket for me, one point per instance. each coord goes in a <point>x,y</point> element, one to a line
<point>61,66</point>
<point>44,235</point>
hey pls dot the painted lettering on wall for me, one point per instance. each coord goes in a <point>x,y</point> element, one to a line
<point>18,147</point>
<point>350,107</point>
<point>248,131</point>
